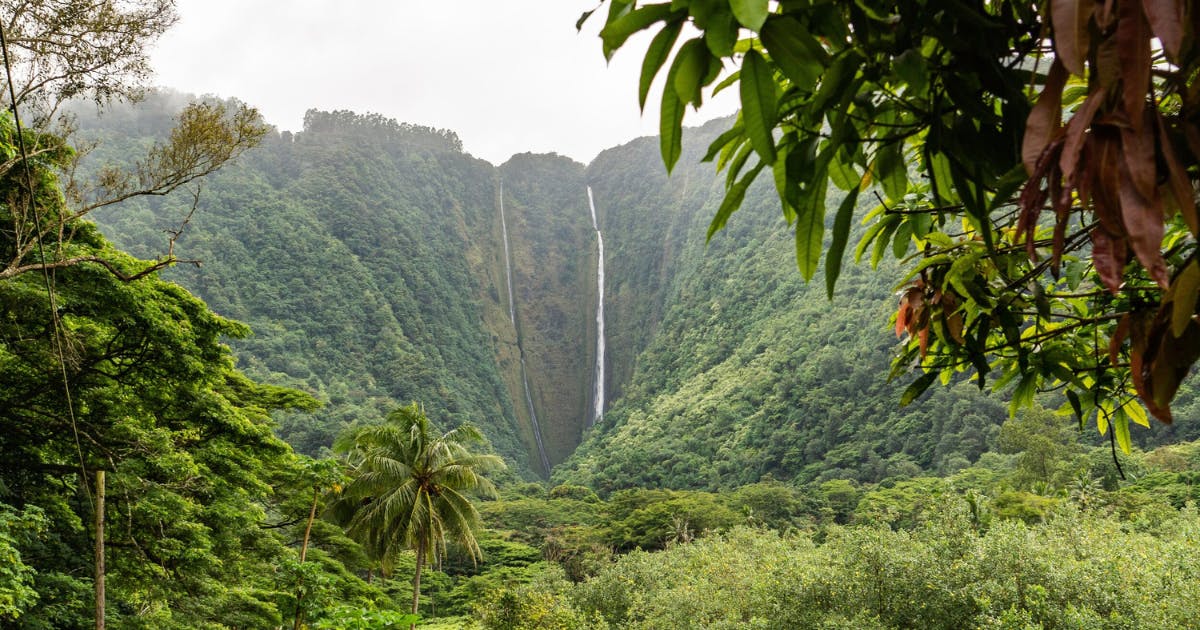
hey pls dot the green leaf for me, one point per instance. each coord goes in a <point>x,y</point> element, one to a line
<point>734,132</point>
<point>890,170</point>
<point>758,104</point>
<point>734,77</point>
<point>940,167</point>
<point>750,13</point>
<point>797,53</point>
<point>911,67</point>
<point>689,70</point>
<point>656,56</point>
<point>721,35</point>
<point>1120,425</point>
<point>736,164</point>
<point>917,388</point>
<point>670,127</point>
<point>1076,408</point>
<point>1023,394</point>
<point>785,184</point>
<point>614,34</point>
<point>890,223</point>
<point>841,235</point>
<point>733,200</point>
<point>902,239</point>
<point>837,81</point>
<point>874,232</point>
<point>1137,412</point>
<point>810,227</point>
<point>843,174</point>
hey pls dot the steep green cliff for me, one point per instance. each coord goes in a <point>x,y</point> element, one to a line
<point>370,259</point>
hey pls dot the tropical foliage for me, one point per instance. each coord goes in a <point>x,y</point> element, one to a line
<point>411,488</point>
<point>953,119</point>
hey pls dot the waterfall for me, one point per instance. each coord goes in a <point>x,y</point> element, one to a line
<point>537,429</point>
<point>512,316</point>
<point>512,309</point>
<point>599,372</point>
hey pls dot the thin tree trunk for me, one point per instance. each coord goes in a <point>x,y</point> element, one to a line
<point>312,515</point>
<point>417,580</point>
<point>99,550</point>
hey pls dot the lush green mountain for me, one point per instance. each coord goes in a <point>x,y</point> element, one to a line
<point>730,366</point>
<point>369,258</point>
<point>355,250</point>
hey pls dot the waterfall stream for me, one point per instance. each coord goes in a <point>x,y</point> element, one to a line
<point>537,429</point>
<point>599,372</point>
<point>512,315</point>
<point>512,309</point>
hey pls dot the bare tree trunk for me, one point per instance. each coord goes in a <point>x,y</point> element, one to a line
<point>99,550</point>
<point>417,580</point>
<point>312,515</point>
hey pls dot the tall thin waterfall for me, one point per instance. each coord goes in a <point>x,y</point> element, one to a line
<point>512,309</point>
<point>599,373</point>
<point>537,429</point>
<point>512,316</point>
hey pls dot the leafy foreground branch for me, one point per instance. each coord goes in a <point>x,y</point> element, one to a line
<point>971,122</point>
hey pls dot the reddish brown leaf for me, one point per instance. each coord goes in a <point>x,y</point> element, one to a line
<point>1107,259</point>
<point>1033,195</point>
<point>1138,150</point>
<point>1107,66</point>
<point>1032,198</point>
<point>1085,172</point>
<point>1118,338</point>
<point>902,314</point>
<point>1104,156</point>
<point>919,319</point>
<point>1166,20</point>
<point>1071,40</point>
<point>1180,186</point>
<point>1133,50</point>
<point>1167,361</point>
<point>1076,129</point>
<point>1045,119</point>
<point>1143,220</point>
<point>1104,15</point>
<point>1140,362</point>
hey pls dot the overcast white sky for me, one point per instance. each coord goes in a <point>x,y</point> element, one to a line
<point>508,76</point>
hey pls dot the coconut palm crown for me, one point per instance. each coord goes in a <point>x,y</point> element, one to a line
<point>411,488</point>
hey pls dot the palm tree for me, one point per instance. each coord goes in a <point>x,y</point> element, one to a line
<point>410,488</point>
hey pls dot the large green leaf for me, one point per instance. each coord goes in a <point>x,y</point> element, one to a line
<point>890,170</point>
<point>689,71</point>
<point>617,31</point>
<point>758,104</point>
<point>750,13</point>
<point>841,235</point>
<point>810,226</point>
<point>721,34</point>
<point>656,56</point>
<point>917,388</point>
<point>670,126</point>
<point>797,53</point>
